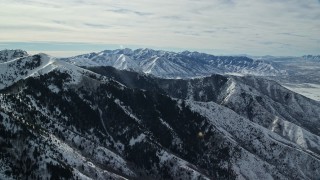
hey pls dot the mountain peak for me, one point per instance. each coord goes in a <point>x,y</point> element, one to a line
<point>311,57</point>
<point>9,54</point>
<point>185,64</point>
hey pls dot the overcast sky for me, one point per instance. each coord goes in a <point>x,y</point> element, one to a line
<point>255,27</point>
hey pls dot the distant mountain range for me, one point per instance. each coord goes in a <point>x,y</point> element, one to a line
<point>59,120</point>
<point>311,57</point>
<point>166,64</point>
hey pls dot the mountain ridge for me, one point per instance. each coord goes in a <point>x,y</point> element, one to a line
<point>63,121</point>
<point>167,64</point>
<point>7,54</point>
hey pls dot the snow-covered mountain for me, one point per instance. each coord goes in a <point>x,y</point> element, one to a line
<point>15,69</point>
<point>6,55</point>
<point>312,58</point>
<point>166,64</point>
<point>302,74</point>
<point>61,121</point>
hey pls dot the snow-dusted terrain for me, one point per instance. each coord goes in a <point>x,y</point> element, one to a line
<point>311,91</point>
<point>312,58</point>
<point>303,74</point>
<point>62,121</point>
<point>7,55</point>
<point>166,64</point>
<point>291,72</point>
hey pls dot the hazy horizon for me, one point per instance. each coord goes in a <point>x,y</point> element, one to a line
<point>65,54</point>
<point>70,53</point>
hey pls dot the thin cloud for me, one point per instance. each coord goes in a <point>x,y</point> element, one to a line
<point>234,27</point>
<point>128,11</point>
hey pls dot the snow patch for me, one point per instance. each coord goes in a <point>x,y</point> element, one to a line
<point>138,139</point>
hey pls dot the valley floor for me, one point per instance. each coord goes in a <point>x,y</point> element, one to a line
<point>311,91</point>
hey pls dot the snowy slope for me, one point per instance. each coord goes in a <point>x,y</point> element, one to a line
<point>253,110</point>
<point>175,65</point>
<point>119,61</point>
<point>17,69</point>
<point>64,121</point>
<point>6,55</point>
<point>303,74</point>
<point>254,138</point>
<point>20,68</point>
<point>262,101</point>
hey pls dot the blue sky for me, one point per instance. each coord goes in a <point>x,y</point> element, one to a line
<point>255,27</point>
